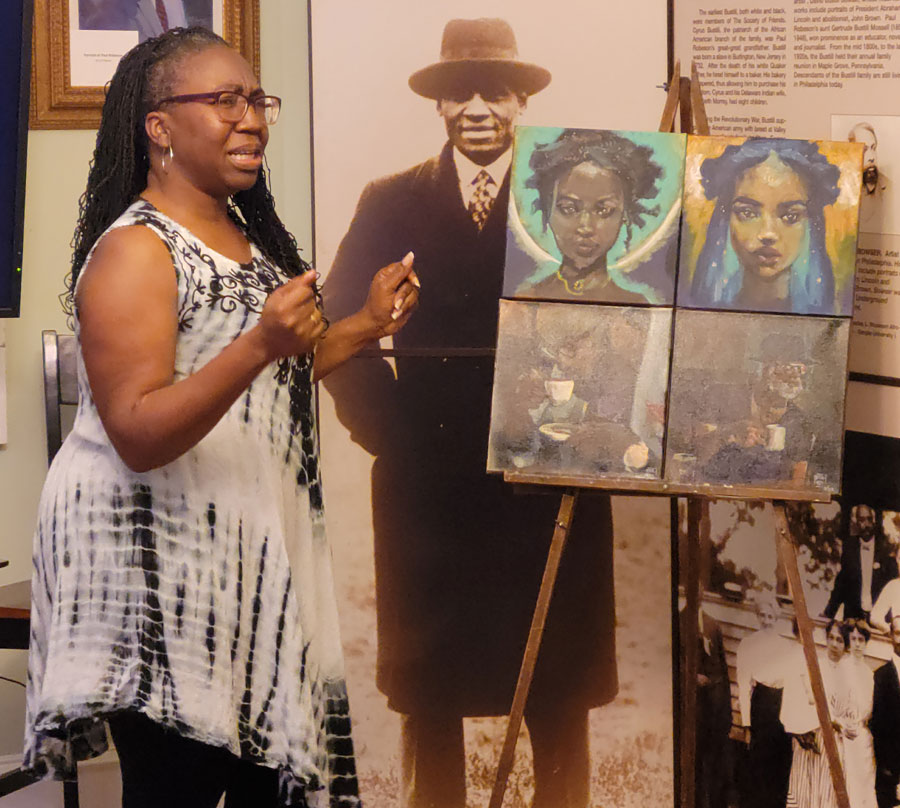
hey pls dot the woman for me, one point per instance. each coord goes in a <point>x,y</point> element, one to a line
<point>761,658</point>
<point>765,243</point>
<point>810,783</point>
<point>859,753</point>
<point>182,587</point>
<point>590,184</point>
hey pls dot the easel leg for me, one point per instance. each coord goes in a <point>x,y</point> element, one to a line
<point>689,624</point>
<point>788,557</point>
<point>529,661</point>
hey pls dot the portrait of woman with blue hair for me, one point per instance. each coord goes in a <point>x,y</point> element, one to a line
<point>765,246</point>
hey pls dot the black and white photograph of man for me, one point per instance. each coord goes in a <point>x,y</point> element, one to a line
<point>878,209</point>
<point>457,554</point>
<point>868,563</point>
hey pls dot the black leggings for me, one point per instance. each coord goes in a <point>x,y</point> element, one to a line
<point>162,768</point>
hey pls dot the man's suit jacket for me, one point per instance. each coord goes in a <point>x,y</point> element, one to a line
<point>885,721</point>
<point>458,555</point>
<point>848,583</point>
<point>713,708</point>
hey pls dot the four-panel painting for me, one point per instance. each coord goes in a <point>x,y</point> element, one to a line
<point>677,309</point>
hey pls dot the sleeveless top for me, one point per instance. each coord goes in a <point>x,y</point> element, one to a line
<point>199,593</point>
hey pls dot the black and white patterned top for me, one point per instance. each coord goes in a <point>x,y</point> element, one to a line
<point>200,593</point>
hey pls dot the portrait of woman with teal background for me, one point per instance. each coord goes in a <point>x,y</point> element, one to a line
<point>594,215</point>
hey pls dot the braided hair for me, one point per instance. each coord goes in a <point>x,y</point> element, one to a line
<point>121,160</point>
<point>631,163</point>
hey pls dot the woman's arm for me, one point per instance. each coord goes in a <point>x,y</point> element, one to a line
<point>393,294</point>
<point>127,310</point>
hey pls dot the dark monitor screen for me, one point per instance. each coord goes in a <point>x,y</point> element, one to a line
<point>15,68</point>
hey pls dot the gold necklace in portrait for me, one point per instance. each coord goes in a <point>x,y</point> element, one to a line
<point>578,287</point>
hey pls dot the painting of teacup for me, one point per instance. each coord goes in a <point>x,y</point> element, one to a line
<point>775,442</point>
<point>559,390</point>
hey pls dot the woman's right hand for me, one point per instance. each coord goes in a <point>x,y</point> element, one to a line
<point>291,323</point>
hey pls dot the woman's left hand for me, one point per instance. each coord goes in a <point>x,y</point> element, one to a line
<point>393,295</point>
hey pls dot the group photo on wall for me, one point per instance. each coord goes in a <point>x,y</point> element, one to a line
<point>759,742</point>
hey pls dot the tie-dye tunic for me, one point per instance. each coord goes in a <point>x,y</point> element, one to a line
<point>199,593</point>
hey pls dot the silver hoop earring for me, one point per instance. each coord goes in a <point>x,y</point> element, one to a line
<point>171,155</point>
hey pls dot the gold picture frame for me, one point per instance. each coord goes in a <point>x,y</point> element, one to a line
<point>57,104</point>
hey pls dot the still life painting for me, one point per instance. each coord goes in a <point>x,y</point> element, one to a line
<point>757,400</point>
<point>580,390</point>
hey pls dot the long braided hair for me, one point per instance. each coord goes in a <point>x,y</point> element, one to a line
<point>118,171</point>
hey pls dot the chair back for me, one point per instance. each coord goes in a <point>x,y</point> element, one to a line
<point>60,387</point>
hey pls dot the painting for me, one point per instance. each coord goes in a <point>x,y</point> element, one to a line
<point>770,225</point>
<point>78,43</point>
<point>757,400</point>
<point>580,390</point>
<point>594,215</point>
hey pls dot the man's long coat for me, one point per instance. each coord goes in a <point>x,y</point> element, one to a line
<point>458,554</point>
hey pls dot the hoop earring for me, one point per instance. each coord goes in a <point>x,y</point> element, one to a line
<point>171,155</point>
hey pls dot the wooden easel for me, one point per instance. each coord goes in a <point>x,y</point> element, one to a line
<point>684,94</point>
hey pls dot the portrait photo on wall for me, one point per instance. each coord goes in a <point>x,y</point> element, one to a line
<point>759,742</point>
<point>770,225</point>
<point>593,215</point>
<point>878,134</point>
<point>438,562</point>
<point>580,390</point>
<point>757,400</point>
<point>148,17</point>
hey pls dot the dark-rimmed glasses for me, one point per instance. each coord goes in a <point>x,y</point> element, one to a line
<point>232,106</point>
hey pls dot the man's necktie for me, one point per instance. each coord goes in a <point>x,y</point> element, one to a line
<point>161,13</point>
<point>480,205</point>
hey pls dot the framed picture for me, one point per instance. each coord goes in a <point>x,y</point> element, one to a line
<point>78,43</point>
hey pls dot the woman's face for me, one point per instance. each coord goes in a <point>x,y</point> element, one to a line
<point>769,217</point>
<point>215,156</point>
<point>587,214</point>
<point>835,643</point>
<point>857,643</point>
<point>767,615</point>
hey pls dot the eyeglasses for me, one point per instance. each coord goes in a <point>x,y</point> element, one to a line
<point>232,106</point>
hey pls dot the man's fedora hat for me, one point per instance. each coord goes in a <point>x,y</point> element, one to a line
<point>473,51</point>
